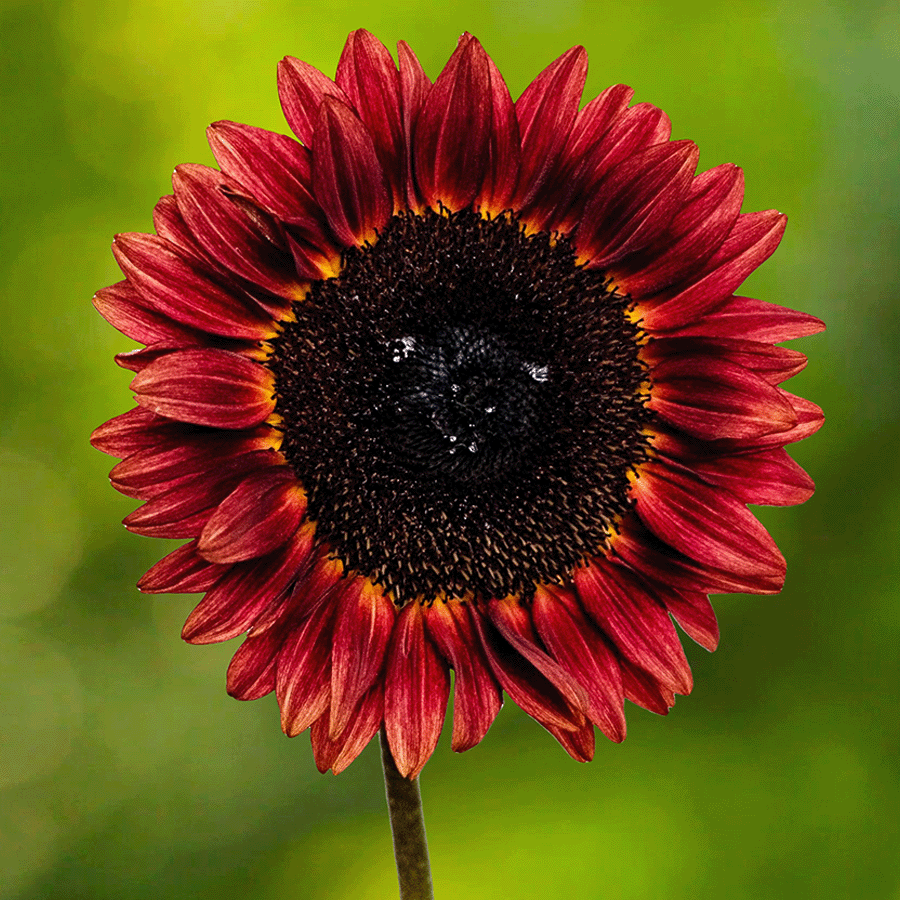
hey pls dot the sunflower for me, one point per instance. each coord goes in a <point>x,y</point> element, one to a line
<point>452,382</point>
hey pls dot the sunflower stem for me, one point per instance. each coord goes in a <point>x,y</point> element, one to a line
<point>408,829</point>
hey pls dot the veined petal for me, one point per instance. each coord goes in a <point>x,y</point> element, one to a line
<point>136,317</point>
<point>337,753</point>
<point>363,628</point>
<point>210,387</point>
<point>502,173</point>
<point>183,571</point>
<point>452,135</point>
<point>694,613</point>
<point>301,89</point>
<point>370,79</point>
<point>348,179</point>
<point>477,697</point>
<point>706,524</point>
<point>414,88</point>
<point>137,429</point>
<point>769,477</point>
<point>417,685</point>
<point>262,513</point>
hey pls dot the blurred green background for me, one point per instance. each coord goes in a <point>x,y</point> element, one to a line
<point>125,769</point>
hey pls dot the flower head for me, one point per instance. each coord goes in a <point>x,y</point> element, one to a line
<point>453,382</point>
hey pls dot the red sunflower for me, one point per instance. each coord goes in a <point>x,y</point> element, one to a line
<point>455,382</point>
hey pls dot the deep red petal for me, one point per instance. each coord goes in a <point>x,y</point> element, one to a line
<point>644,689</point>
<point>303,671</point>
<point>452,135</point>
<point>477,697</point>
<point>708,214</point>
<point>183,571</point>
<point>752,241</point>
<point>363,628</point>
<point>417,685</point>
<point>337,753</point>
<point>370,79</point>
<point>526,685</point>
<point>546,111</point>
<point>502,172</point>
<point>754,320</point>
<point>137,317</point>
<point>301,89</point>
<point>261,514</point>
<point>184,291</point>
<point>704,523</point>
<point>348,179</point>
<point>694,613</point>
<point>636,202</point>
<point>238,599</point>
<point>577,645</point>
<point>712,398</point>
<point>251,673</point>
<point>137,429</point>
<point>210,387</point>
<point>414,88</point>
<point>635,620</point>
<point>579,744</point>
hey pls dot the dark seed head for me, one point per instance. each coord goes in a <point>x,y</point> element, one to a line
<point>462,405</point>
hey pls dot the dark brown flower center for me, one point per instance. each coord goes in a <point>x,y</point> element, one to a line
<point>462,405</point>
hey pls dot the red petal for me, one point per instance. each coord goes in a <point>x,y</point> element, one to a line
<point>504,147</point>
<point>477,695</point>
<point>183,571</point>
<point>136,316</point>
<point>577,645</point>
<point>369,77</point>
<point>361,634</point>
<point>452,135</point>
<point>239,598</point>
<point>275,170</point>
<point>712,398</point>
<point>416,688</point>
<point>546,111</point>
<point>694,613</point>
<point>348,179</point>
<point>337,753</point>
<point>301,89</point>
<point>207,387</point>
<point>810,419</point>
<point>303,671</point>
<point>187,292</point>
<point>261,514</point>
<point>635,620</point>
<point>251,673</point>
<point>708,214</point>
<point>234,231</point>
<point>704,523</point>
<point>750,243</point>
<point>579,744</point>
<point>754,320</point>
<point>137,429</point>
<point>636,202</point>
<point>642,688</point>
<point>414,87</point>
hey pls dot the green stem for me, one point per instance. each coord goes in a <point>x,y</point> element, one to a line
<point>408,829</point>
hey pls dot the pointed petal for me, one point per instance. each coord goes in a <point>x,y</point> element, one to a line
<point>704,523</point>
<point>238,599</point>
<point>414,88</point>
<point>303,671</point>
<point>452,134</point>
<point>183,571</point>
<point>370,79</point>
<point>768,477</point>
<point>712,398</point>
<point>261,514</point>
<point>694,613</point>
<point>477,695</point>
<point>809,419</point>
<point>579,744</point>
<point>416,689</point>
<point>301,89</point>
<point>137,429</point>
<point>363,628</point>
<point>207,387</point>
<point>752,241</point>
<point>628,612</point>
<point>348,179</point>
<point>136,317</point>
<point>754,320</point>
<point>187,293</point>
<point>636,202</point>
<point>546,111</point>
<point>337,753</point>
<point>580,649</point>
<point>251,673</point>
<point>504,147</point>
<point>642,688</point>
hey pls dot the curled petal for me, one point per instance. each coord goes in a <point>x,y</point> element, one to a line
<point>210,387</point>
<point>261,514</point>
<point>417,685</point>
<point>477,697</point>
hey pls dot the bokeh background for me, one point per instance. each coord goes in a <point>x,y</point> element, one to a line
<point>125,769</point>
